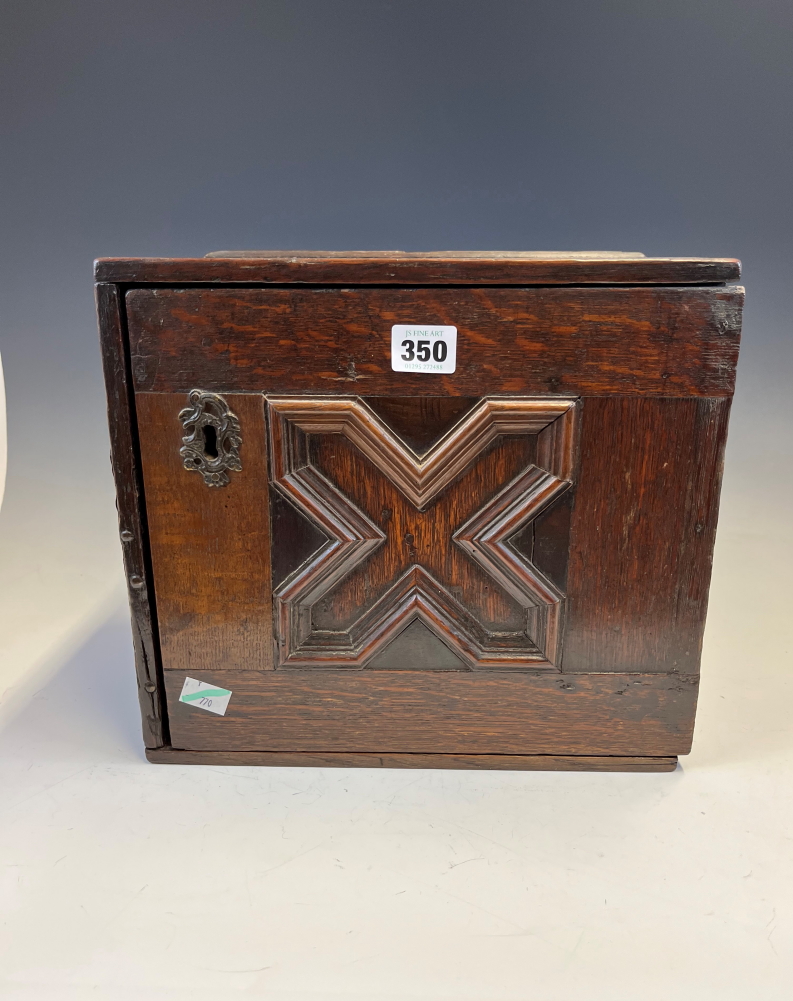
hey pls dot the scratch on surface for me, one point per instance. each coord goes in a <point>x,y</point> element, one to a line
<point>292,859</point>
<point>126,905</point>
<point>574,950</point>
<point>771,932</point>
<point>470,903</point>
<point>46,789</point>
<point>215,969</point>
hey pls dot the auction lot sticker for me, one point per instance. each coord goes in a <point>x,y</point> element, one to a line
<point>423,349</point>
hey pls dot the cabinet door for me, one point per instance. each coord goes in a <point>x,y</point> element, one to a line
<point>509,560</point>
<point>427,557</point>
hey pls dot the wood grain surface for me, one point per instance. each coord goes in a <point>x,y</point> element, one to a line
<point>523,342</point>
<point>420,536</point>
<point>125,460</point>
<point>394,268</point>
<point>640,536</point>
<point>420,421</point>
<point>494,762</point>
<point>647,351</point>
<point>642,533</point>
<point>450,713</point>
<point>210,546</point>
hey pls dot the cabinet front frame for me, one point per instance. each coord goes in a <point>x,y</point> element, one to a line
<point>661,731</point>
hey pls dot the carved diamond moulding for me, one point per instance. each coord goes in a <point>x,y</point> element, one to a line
<point>451,476</point>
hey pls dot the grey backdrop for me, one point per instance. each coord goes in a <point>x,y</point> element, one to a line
<point>175,128</point>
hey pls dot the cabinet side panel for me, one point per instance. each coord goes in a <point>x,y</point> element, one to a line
<point>642,533</point>
<point>129,492</point>
<point>210,545</point>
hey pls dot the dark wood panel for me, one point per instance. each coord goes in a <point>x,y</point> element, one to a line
<point>495,762</point>
<point>131,517</point>
<point>416,269</point>
<point>662,342</point>
<point>642,534</point>
<point>420,537</point>
<point>455,713</point>
<point>420,421</point>
<point>651,361</point>
<point>416,649</point>
<point>295,539</point>
<point>548,548</point>
<point>210,545</point>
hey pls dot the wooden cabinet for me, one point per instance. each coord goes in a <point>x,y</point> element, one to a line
<point>501,565</point>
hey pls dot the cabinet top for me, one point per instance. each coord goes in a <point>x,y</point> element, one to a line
<point>396,267</point>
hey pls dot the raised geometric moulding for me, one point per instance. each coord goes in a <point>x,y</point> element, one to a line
<point>420,537</point>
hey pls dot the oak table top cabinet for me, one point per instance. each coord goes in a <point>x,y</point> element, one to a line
<point>486,546</point>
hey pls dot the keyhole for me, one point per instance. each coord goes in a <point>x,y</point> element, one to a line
<point>210,441</point>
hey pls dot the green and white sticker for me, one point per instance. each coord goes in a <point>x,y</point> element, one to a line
<point>204,696</point>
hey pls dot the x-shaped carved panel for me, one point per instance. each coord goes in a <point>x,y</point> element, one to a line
<point>421,479</point>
